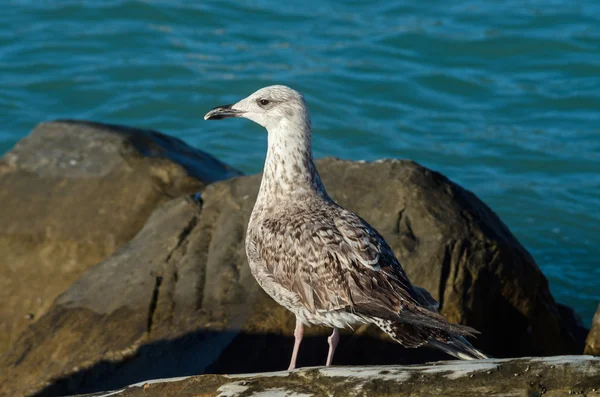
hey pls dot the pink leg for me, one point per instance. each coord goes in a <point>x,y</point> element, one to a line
<point>333,341</point>
<point>298,333</point>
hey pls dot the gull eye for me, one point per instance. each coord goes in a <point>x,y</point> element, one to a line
<point>263,102</point>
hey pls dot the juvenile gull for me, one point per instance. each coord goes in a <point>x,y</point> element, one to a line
<point>320,261</point>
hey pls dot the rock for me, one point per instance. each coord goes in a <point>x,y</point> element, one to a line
<point>179,298</point>
<point>573,323</point>
<point>73,192</point>
<point>551,376</point>
<point>456,247</point>
<point>592,343</point>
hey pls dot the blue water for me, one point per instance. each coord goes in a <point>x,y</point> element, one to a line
<point>502,97</point>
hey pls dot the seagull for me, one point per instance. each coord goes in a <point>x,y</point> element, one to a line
<point>320,261</point>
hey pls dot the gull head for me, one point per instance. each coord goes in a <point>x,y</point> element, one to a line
<point>272,107</point>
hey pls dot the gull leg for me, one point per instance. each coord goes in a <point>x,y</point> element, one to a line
<point>333,341</point>
<point>298,333</point>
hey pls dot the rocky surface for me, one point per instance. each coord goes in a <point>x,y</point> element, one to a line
<point>73,192</point>
<point>551,376</point>
<point>592,343</point>
<point>179,299</point>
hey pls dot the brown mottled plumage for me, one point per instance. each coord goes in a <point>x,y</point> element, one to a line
<point>320,261</point>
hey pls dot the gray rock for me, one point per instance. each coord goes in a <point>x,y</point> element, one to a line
<point>179,298</point>
<point>73,192</point>
<point>592,343</point>
<point>548,376</point>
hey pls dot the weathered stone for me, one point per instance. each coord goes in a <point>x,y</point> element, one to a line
<point>71,193</point>
<point>548,376</point>
<point>592,343</point>
<point>456,247</point>
<point>179,299</point>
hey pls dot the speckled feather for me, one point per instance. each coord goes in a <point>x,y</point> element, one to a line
<point>337,270</point>
<point>322,262</point>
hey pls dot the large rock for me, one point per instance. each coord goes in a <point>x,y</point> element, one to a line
<point>72,192</point>
<point>592,343</point>
<point>552,376</point>
<point>179,299</point>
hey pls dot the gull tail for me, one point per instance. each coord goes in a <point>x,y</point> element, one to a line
<point>433,330</point>
<point>458,347</point>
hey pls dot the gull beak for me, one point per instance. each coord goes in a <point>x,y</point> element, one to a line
<point>222,112</point>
